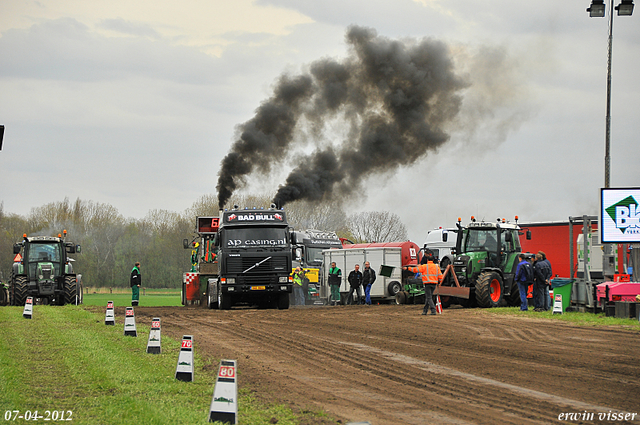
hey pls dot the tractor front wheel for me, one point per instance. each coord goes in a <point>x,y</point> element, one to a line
<point>19,291</point>
<point>489,289</point>
<point>70,289</point>
<point>4,296</point>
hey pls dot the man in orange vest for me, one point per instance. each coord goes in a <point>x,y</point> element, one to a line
<point>431,276</point>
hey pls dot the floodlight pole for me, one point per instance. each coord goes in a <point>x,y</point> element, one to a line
<point>607,137</point>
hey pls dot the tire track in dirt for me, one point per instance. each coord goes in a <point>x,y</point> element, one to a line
<point>394,374</point>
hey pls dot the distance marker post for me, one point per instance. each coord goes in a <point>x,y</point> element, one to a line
<point>109,317</point>
<point>28,308</point>
<point>184,369</point>
<point>224,405</point>
<point>557,304</point>
<point>130,322</point>
<point>153,345</point>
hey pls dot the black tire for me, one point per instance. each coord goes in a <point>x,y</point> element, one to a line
<point>210,302</point>
<point>394,287</point>
<point>70,289</point>
<point>224,301</point>
<point>514,298</point>
<point>19,291</point>
<point>81,293</point>
<point>401,298</point>
<point>4,296</point>
<point>283,301</point>
<point>489,289</point>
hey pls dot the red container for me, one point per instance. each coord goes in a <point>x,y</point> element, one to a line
<point>192,286</point>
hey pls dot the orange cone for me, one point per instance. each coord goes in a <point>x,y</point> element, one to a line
<point>438,305</point>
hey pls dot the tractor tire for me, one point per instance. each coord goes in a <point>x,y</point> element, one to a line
<point>489,289</point>
<point>4,296</point>
<point>224,301</point>
<point>283,301</point>
<point>401,298</point>
<point>393,288</point>
<point>19,291</point>
<point>70,289</point>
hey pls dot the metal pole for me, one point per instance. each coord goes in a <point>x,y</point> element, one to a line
<point>607,143</point>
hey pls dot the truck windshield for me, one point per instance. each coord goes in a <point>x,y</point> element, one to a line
<point>480,240</point>
<point>314,256</point>
<point>254,237</point>
<point>41,252</point>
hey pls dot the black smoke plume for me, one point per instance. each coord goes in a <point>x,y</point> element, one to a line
<point>394,98</point>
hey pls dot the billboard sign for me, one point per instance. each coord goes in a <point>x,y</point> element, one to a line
<point>620,215</point>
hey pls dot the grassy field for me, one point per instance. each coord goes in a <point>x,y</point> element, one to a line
<point>150,297</point>
<point>66,360</point>
<point>583,319</point>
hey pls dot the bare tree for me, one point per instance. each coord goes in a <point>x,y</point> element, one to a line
<point>326,216</point>
<point>376,226</point>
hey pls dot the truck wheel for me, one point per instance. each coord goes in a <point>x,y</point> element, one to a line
<point>393,288</point>
<point>489,289</point>
<point>210,300</point>
<point>283,301</point>
<point>224,301</point>
<point>70,289</point>
<point>19,291</point>
<point>401,298</point>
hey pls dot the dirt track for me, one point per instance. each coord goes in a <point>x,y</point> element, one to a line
<point>390,365</point>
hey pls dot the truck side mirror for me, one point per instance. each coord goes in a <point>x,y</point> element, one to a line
<point>445,236</point>
<point>293,238</point>
<point>528,235</point>
<point>16,249</point>
<point>508,237</point>
<point>78,249</point>
<point>70,248</point>
<point>185,243</point>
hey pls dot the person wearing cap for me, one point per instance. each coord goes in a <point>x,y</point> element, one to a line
<point>431,276</point>
<point>136,282</point>
<point>298,292</point>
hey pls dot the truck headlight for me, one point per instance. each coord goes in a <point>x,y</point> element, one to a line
<point>283,279</point>
<point>231,280</point>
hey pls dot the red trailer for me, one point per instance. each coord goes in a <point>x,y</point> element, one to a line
<point>552,238</point>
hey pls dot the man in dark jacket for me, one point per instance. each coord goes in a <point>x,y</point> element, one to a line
<point>355,281</point>
<point>523,278</point>
<point>136,282</point>
<point>368,277</point>
<point>548,274</point>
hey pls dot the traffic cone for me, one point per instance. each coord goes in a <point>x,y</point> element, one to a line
<point>438,305</point>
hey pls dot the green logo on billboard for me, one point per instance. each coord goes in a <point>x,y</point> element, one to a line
<point>626,215</point>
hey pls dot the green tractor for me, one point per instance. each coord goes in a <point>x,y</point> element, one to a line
<point>43,271</point>
<point>485,262</point>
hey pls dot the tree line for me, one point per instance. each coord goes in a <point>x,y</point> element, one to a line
<point>111,243</point>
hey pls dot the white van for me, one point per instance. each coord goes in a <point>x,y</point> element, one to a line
<point>442,242</point>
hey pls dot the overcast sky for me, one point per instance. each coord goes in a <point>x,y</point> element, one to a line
<point>135,103</point>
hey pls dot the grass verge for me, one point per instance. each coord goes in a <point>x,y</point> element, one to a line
<point>66,359</point>
<point>583,319</point>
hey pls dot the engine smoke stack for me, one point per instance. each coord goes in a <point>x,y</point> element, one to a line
<point>394,97</point>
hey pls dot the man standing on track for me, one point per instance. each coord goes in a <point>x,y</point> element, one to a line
<point>431,276</point>
<point>136,282</point>
<point>368,277</point>
<point>335,279</point>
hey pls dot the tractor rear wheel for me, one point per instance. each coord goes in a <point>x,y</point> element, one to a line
<point>514,299</point>
<point>489,289</point>
<point>19,291</point>
<point>70,289</point>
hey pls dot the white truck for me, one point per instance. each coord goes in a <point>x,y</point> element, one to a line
<point>384,289</point>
